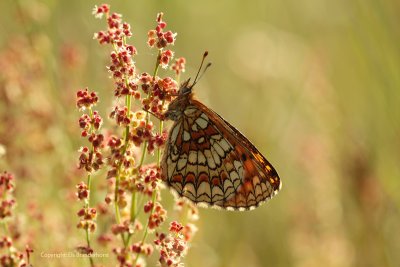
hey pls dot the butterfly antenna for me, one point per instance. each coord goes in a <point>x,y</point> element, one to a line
<point>197,78</point>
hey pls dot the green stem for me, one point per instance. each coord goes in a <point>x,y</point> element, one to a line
<point>89,184</point>
<point>142,158</point>
<point>125,147</point>
<point>146,231</point>
<point>117,177</point>
<point>147,113</point>
<point>133,206</point>
<point>157,64</point>
<point>159,149</point>
<point>133,214</point>
<point>143,155</point>
<point>117,213</point>
<point>87,200</point>
<point>154,194</point>
<point>88,243</point>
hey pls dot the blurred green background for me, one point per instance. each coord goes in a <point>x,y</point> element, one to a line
<point>315,85</point>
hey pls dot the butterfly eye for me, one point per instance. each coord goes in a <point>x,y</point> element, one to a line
<point>185,90</point>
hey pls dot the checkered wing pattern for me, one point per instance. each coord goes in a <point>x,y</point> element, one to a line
<point>211,163</point>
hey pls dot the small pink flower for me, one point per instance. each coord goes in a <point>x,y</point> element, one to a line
<point>86,99</point>
<point>121,116</point>
<point>175,227</point>
<point>104,239</point>
<point>148,206</point>
<point>157,217</point>
<point>6,181</point>
<point>99,11</point>
<point>188,231</point>
<point>82,191</point>
<point>140,248</point>
<point>165,58</point>
<point>172,246</point>
<point>158,37</point>
<point>179,65</point>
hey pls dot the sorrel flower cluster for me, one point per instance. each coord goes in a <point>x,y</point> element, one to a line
<point>9,254</point>
<point>91,160</point>
<point>133,183</point>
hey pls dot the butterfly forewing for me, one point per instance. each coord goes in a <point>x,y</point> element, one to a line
<point>209,162</point>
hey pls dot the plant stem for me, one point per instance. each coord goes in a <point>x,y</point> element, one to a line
<point>158,149</point>
<point>117,177</point>
<point>147,113</point>
<point>146,231</point>
<point>124,148</point>
<point>154,194</point>
<point>87,200</point>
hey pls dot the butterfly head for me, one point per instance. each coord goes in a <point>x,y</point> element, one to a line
<point>185,94</point>
<point>185,88</point>
<point>178,105</point>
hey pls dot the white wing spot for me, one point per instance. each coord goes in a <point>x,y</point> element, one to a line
<point>258,191</point>
<point>216,137</point>
<point>187,190</point>
<point>181,162</point>
<point>200,140</point>
<point>217,159</point>
<point>194,127</point>
<point>171,169</point>
<point>217,194</point>
<point>219,150</point>
<point>228,187</point>
<point>174,133</point>
<point>256,180</point>
<point>202,123</point>
<point>234,176</point>
<point>204,116</point>
<point>189,111</point>
<point>186,136</point>
<point>239,167</point>
<point>210,159</point>
<point>264,187</point>
<point>204,192</point>
<point>192,157</point>
<point>229,166</point>
<point>225,145</point>
<point>236,183</point>
<point>251,198</point>
<point>174,153</point>
<point>170,166</point>
<point>237,164</point>
<point>201,159</point>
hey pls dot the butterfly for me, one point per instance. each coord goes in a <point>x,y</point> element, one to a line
<point>209,162</point>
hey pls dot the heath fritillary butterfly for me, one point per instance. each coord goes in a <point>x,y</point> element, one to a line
<point>209,162</point>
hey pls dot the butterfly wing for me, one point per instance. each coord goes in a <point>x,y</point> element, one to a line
<point>208,161</point>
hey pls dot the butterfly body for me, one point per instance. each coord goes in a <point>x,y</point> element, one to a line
<point>209,162</point>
